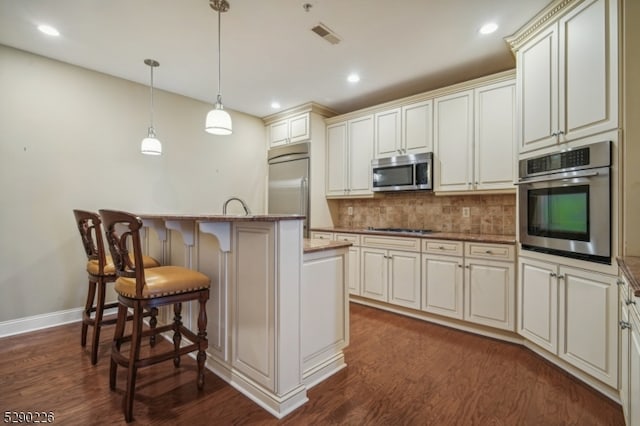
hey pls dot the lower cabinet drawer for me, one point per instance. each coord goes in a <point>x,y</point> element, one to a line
<point>452,248</point>
<point>490,251</point>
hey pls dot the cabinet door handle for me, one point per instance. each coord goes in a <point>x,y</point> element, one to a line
<point>630,302</point>
<point>459,265</point>
<point>561,277</point>
<point>552,274</point>
<point>560,132</point>
<point>625,324</point>
<point>554,134</point>
<point>619,282</point>
<point>468,267</point>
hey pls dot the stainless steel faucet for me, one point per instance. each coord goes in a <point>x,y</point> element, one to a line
<point>244,205</point>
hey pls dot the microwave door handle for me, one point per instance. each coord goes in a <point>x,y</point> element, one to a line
<point>552,178</point>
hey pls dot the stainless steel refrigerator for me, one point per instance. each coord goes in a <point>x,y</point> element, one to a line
<point>289,181</point>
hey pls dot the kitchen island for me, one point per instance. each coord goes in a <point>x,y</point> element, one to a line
<point>278,314</point>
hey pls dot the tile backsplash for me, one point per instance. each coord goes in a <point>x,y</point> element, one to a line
<point>487,214</point>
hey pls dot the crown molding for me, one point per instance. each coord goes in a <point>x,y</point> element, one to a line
<point>540,21</point>
<point>300,109</point>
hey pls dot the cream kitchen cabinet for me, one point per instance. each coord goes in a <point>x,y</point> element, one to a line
<point>349,155</point>
<point>478,287</point>
<point>475,133</point>
<point>538,303</point>
<point>404,130</point>
<point>442,278</point>
<point>552,314</point>
<point>453,141</point>
<point>634,368</point>
<point>489,282</point>
<point>353,278</point>
<point>388,274</point>
<point>629,354</point>
<point>568,76</point>
<point>322,235</point>
<point>494,165</point>
<point>290,130</point>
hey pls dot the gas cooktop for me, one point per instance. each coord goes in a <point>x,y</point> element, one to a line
<point>401,230</point>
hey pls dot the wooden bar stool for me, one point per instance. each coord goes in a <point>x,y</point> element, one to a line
<point>101,271</point>
<point>139,289</point>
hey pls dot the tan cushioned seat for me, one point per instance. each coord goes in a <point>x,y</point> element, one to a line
<point>93,266</point>
<point>164,281</point>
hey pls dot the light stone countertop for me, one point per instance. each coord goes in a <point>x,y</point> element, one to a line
<point>630,266</point>
<point>313,245</point>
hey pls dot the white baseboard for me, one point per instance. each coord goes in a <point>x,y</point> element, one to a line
<point>39,322</point>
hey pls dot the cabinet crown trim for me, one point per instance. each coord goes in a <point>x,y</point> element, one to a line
<point>300,109</point>
<point>547,15</point>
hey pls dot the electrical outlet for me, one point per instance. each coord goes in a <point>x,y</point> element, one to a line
<point>350,211</point>
<point>465,212</point>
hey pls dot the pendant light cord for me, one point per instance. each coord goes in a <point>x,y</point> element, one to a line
<point>219,59</point>
<point>151,88</point>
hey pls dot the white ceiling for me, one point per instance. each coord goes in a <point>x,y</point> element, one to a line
<point>398,47</point>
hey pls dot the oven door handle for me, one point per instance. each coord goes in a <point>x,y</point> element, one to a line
<point>560,178</point>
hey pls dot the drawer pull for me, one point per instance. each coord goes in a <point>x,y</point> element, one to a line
<point>489,252</point>
<point>441,247</point>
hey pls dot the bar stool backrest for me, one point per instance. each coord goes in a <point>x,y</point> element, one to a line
<point>89,225</point>
<point>122,231</point>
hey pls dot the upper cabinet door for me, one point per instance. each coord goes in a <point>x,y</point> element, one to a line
<point>387,133</point>
<point>336,179</point>
<point>299,128</point>
<point>568,77</point>
<point>495,136</point>
<point>360,142</point>
<point>538,90</point>
<point>417,127</point>
<point>453,163</point>
<point>588,102</point>
<point>279,133</point>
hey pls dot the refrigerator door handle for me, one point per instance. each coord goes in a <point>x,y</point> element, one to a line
<point>303,192</point>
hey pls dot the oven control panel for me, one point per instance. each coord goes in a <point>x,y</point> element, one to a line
<point>586,157</point>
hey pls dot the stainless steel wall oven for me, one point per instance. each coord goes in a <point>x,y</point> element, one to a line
<point>565,203</point>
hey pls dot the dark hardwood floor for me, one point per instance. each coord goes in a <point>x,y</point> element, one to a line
<point>401,371</point>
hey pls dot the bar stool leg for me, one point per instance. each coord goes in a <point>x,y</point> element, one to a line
<point>98,321</point>
<point>202,339</point>
<point>177,337</point>
<point>134,355</point>
<point>153,322</point>
<point>117,342</point>
<point>86,317</point>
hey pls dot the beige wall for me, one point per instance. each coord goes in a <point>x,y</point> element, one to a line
<point>631,126</point>
<point>70,138</point>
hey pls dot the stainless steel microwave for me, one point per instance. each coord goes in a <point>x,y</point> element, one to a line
<point>403,173</point>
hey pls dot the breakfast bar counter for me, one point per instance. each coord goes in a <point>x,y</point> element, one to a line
<point>278,313</point>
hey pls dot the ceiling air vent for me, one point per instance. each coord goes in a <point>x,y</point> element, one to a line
<point>324,32</point>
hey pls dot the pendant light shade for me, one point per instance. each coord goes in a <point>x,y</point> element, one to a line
<point>218,120</point>
<point>151,145</point>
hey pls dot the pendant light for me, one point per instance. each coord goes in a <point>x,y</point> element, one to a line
<point>151,145</point>
<point>218,120</point>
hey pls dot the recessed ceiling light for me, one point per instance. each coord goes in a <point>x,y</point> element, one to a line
<point>49,30</point>
<point>275,105</point>
<point>353,78</point>
<point>488,28</point>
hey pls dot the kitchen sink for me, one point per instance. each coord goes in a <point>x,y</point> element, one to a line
<point>401,230</point>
